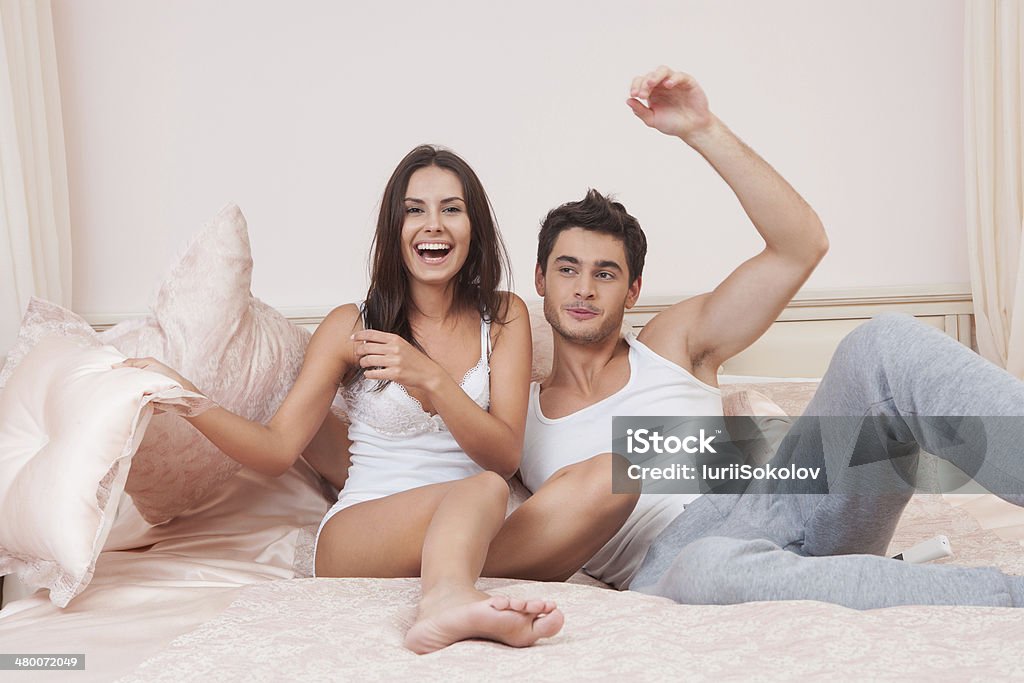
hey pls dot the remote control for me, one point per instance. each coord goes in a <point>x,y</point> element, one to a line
<point>926,551</point>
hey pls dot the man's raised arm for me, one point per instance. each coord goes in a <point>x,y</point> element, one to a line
<point>705,330</point>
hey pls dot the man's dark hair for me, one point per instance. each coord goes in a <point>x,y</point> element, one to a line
<point>598,213</point>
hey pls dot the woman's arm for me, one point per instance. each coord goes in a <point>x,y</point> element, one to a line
<point>494,439</point>
<point>274,447</point>
<point>329,451</point>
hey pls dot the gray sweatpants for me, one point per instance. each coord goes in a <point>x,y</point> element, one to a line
<point>752,546</point>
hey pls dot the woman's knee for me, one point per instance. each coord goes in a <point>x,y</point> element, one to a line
<point>491,483</point>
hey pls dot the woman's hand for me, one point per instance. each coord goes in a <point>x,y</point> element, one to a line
<point>676,104</point>
<point>392,358</point>
<point>153,365</point>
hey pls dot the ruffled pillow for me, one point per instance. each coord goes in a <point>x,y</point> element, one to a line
<point>236,349</point>
<point>69,426</point>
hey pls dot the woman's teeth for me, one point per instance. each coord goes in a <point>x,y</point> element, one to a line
<point>433,251</point>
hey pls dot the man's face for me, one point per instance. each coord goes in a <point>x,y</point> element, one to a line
<point>585,285</point>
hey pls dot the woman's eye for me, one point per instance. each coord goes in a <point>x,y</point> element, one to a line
<point>413,209</point>
<point>452,209</point>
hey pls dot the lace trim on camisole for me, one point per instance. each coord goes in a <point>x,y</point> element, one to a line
<point>395,412</point>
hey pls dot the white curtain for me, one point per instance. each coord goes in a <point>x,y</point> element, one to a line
<point>995,176</point>
<point>35,232</point>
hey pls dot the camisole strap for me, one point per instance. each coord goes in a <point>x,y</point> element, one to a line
<point>485,338</point>
<point>362,312</point>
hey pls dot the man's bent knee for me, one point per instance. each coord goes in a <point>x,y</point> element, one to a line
<point>884,327</point>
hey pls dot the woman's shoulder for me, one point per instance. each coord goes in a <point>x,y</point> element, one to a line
<point>512,321</point>
<point>341,322</point>
<point>344,316</point>
<point>513,309</point>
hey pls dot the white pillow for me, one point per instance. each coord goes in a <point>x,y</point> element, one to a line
<point>69,426</point>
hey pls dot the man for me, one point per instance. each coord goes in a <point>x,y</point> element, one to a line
<point>762,544</point>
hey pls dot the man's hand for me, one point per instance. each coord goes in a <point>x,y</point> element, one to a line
<point>676,104</point>
<point>392,358</point>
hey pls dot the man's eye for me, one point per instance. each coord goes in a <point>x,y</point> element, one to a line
<point>566,270</point>
<point>605,276</point>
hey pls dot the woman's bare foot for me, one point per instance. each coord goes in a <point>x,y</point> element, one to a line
<point>451,616</point>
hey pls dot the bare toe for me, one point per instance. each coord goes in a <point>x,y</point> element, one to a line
<point>539,606</point>
<point>547,625</point>
<point>500,602</point>
<point>517,604</point>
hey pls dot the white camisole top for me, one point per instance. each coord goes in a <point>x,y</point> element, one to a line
<point>397,446</point>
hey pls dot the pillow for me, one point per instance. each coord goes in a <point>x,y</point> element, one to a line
<point>69,426</point>
<point>770,422</point>
<point>239,351</point>
<point>790,397</point>
<point>543,344</point>
<point>749,402</point>
<point>43,319</point>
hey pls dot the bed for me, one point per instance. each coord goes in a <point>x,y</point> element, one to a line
<point>222,591</point>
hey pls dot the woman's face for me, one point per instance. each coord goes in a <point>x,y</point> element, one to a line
<point>436,229</point>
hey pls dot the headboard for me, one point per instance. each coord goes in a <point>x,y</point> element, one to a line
<point>801,343</point>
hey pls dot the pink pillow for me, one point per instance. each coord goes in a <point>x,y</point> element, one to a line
<point>749,403</point>
<point>69,426</point>
<point>543,345</point>
<point>236,349</point>
<point>43,319</point>
<point>768,398</point>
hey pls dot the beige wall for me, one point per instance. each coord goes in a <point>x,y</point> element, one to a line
<point>299,110</point>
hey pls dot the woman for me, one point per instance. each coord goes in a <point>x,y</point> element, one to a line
<point>435,366</point>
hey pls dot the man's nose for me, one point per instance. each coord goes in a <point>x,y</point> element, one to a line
<point>584,289</point>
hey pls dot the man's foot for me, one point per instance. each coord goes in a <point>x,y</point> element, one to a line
<point>473,614</point>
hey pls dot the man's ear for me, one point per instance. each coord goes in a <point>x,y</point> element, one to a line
<point>633,293</point>
<point>538,279</point>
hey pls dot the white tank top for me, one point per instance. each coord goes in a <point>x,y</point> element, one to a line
<point>397,446</point>
<point>656,386</point>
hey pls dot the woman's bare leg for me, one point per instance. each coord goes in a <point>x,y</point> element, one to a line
<point>454,549</point>
<point>442,532</point>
